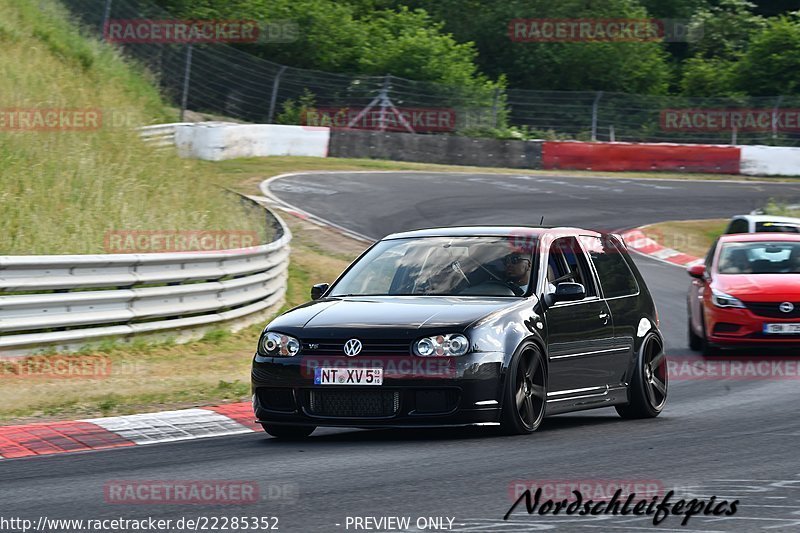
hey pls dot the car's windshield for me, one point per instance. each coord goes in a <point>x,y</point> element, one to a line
<point>442,266</point>
<point>760,258</point>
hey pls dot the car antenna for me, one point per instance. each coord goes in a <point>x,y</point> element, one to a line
<point>541,222</point>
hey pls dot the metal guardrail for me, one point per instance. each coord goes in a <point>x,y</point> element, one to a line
<point>161,135</point>
<point>71,300</point>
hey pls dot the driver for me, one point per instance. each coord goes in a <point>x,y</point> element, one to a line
<point>518,271</point>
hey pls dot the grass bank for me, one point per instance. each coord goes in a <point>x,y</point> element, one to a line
<point>64,185</point>
<point>695,237</point>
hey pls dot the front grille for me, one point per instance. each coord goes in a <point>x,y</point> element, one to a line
<point>353,403</point>
<point>770,309</point>
<point>369,347</point>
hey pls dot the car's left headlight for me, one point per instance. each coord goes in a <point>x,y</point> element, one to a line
<point>451,345</point>
<point>720,299</point>
<point>274,344</point>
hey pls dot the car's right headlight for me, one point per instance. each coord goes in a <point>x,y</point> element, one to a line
<point>720,299</point>
<point>451,345</point>
<point>277,345</point>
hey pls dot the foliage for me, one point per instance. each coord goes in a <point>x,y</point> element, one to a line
<point>771,65</point>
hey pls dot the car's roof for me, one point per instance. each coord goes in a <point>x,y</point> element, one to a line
<point>760,237</point>
<point>768,218</point>
<point>490,231</point>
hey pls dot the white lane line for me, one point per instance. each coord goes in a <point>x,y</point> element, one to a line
<point>170,426</point>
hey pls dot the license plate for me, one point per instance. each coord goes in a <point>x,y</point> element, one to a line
<point>782,329</point>
<point>348,376</point>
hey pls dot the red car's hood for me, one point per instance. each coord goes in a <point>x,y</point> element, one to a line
<point>760,287</point>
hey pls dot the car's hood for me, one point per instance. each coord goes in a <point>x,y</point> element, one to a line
<point>400,312</point>
<point>760,287</point>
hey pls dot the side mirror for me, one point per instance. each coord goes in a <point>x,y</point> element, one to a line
<point>318,290</point>
<point>569,292</point>
<point>697,271</point>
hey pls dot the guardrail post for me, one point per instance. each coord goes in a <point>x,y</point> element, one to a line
<point>106,16</point>
<point>495,100</point>
<point>186,77</point>
<point>775,117</point>
<point>274,98</point>
<point>595,106</point>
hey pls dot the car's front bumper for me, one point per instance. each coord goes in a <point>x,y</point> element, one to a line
<point>737,327</point>
<point>463,391</point>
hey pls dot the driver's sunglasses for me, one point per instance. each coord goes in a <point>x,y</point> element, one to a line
<point>514,259</point>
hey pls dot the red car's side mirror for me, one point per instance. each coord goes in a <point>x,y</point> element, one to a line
<point>697,271</point>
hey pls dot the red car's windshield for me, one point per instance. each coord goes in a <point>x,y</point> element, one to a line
<point>760,258</point>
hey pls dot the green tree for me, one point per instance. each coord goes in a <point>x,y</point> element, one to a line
<point>674,9</point>
<point>771,65</point>
<point>350,37</point>
<point>724,30</point>
<point>613,66</point>
<point>708,77</point>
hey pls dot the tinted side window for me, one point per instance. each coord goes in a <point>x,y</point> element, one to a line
<point>739,225</point>
<point>567,262</point>
<point>615,275</point>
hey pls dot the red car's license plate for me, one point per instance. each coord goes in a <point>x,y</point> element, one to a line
<point>782,329</point>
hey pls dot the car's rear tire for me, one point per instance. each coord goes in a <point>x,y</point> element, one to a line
<point>289,432</point>
<point>650,382</point>
<point>525,393</point>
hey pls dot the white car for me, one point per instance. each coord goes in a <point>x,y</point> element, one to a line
<point>758,223</point>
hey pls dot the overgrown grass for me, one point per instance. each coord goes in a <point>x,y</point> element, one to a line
<point>693,237</point>
<point>61,191</point>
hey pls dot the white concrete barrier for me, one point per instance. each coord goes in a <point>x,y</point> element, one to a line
<point>770,161</point>
<point>215,141</point>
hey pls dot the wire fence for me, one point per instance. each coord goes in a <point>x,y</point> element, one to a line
<point>222,79</point>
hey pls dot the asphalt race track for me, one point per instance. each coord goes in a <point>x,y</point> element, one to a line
<point>733,439</point>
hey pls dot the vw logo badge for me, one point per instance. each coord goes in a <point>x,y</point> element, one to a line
<point>786,307</point>
<point>352,347</point>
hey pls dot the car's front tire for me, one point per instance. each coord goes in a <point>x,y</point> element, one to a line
<point>288,432</point>
<point>695,340</point>
<point>650,381</point>
<point>525,393</point>
<point>708,349</point>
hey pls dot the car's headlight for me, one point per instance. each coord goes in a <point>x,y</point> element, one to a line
<point>720,299</point>
<point>442,346</point>
<point>276,345</point>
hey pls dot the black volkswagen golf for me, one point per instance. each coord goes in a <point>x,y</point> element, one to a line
<point>466,326</point>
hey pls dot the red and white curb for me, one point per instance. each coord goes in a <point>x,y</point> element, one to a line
<point>641,243</point>
<point>120,431</point>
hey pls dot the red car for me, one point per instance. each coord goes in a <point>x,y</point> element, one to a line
<point>747,293</point>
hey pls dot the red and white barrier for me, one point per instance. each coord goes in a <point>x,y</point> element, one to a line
<point>215,141</point>
<point>616,157</point>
